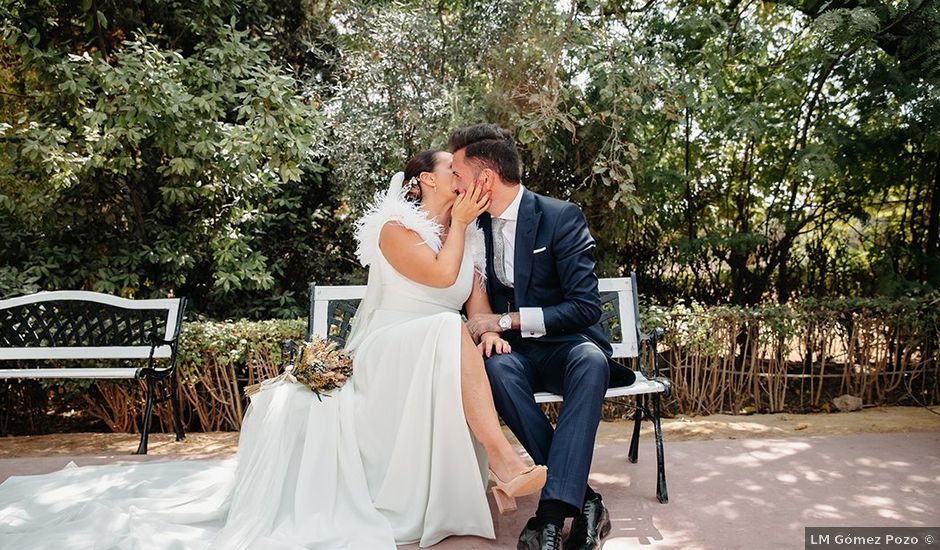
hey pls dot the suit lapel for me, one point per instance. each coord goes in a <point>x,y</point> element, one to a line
<point>527,225</point>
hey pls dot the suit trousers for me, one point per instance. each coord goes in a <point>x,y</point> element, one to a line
<point>573,367</point>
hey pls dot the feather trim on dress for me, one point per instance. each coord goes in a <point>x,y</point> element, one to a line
<point>476,246</point>
<point>384,209</point>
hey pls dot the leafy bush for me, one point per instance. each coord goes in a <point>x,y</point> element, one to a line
<point>720,360</point>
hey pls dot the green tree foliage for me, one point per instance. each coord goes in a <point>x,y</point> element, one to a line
<point>727,151</point>
<point>133,169</point>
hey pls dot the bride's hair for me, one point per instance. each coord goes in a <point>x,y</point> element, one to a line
<point>420,163</point>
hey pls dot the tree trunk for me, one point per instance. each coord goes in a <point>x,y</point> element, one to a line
<point>931,249</point>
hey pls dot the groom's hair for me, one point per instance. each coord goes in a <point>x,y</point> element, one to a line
<point>488,146</point>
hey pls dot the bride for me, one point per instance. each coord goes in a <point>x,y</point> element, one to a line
<point>390,458</point>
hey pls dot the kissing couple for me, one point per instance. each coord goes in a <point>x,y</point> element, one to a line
<point>404,452</point>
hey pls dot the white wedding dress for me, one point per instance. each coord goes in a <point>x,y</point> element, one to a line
<point>386,459</point>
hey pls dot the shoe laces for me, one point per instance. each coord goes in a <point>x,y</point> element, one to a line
<point>554,543</point>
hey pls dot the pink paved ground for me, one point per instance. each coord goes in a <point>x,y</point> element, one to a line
<point>727,494</point>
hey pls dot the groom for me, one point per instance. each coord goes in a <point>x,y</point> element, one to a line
<point>544,301</point>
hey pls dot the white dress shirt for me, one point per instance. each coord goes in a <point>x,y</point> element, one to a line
<point>531,319</point>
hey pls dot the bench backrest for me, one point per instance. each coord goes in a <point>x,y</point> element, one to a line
<point>75,324</point>
<point>333,307</point>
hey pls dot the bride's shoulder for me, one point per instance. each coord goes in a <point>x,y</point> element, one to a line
<point>387,208</point>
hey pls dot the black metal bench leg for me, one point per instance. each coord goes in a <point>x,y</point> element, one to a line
<point>145,421</point>
<point>637,420</point>
<point>175,398</point>
<point>661,493</point>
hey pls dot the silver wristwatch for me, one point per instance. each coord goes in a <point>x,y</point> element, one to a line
<point>505,322</point>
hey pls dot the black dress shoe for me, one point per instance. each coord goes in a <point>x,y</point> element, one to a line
<point>535,537</point>
<point>588,529</point>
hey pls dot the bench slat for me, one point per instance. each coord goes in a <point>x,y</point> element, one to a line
<point>640,387</point>
<point>124,372</point>
<point>89,352</point>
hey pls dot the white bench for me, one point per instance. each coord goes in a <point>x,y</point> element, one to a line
<point>74,324</point>
<point>333,307</point>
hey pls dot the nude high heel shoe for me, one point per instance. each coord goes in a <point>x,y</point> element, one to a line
<point>526,483</point>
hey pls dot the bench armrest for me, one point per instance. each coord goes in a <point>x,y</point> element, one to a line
<point>652,339</point>
<point>151,370</point>
<point>655,335</point>
<point>290,352</point>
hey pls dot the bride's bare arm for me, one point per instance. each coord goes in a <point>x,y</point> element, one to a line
<point>479,300</point>
<point>403,248</point>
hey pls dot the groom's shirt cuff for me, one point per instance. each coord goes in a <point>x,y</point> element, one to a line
<point>531,322</point>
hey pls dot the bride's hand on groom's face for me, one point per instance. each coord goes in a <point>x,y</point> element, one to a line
<point>491,343</point>
<point>470,204</point>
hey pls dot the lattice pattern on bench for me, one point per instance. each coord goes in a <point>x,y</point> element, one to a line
<point>75,323</point>
<point>610,317</point>
<point>340,313</point>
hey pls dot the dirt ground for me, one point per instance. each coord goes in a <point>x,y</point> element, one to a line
<point>756,426</point>
<point>682,428</point>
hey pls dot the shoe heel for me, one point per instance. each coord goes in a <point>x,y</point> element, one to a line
<point>504,502</point>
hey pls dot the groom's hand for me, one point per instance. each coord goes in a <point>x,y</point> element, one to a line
<point>479,323</point>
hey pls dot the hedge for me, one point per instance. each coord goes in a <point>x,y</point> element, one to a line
<point>773,358</point>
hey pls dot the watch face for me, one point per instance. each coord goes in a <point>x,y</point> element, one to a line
<point>505,322</point>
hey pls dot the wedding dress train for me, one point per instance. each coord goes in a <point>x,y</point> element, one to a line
<point>386,459</point>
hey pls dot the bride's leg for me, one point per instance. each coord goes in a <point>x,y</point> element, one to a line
<point>481,412</point>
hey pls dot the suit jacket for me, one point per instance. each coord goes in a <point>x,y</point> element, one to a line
<point>559,279</point>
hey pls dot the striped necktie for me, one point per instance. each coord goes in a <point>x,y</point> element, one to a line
<point>499,252</point>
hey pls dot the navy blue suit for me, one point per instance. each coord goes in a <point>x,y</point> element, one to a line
<point>573,359</point>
